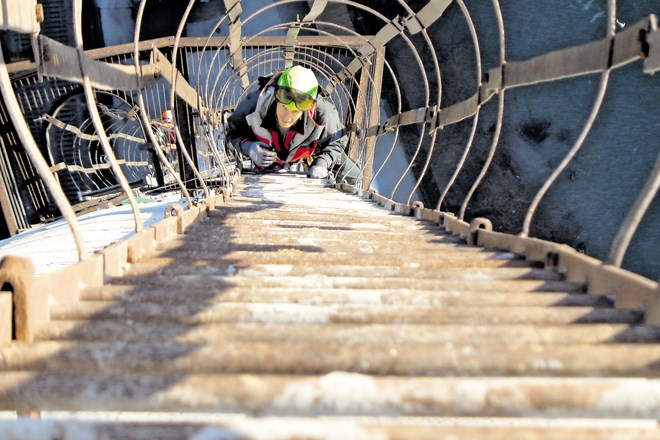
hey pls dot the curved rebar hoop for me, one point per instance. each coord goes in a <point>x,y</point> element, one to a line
<point>646,195</point>
<point>255,65</point>
<point>475,119</point>
<point>500,116</point>
<point>143,113</point>
<point>247,20</point>
<point>224,172</point>
<point>209,94</point>
<point>177,132</point>
<point>266,52</point>
<point>312,60</point>
<point>96,117</point>
<point>600,96</point>
<point>320,70</point>
<point>399,100</point>
<point>92,178</point>
<point>425,167</point>
<point>634,217</point>
<point>438,78</point>
<point>427,97</point>
<point>37,159</point>
<point>274,28</point>
<point>370,80</point>
<point>206,97</point>
<point>209,117</point>
<point>602,88</point>
<point>408,42</point>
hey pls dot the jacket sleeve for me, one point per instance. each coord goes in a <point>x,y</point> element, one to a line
<point>238,130</point>
<point>334,139</point>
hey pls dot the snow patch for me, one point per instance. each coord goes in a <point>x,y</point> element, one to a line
<point>341,393</point>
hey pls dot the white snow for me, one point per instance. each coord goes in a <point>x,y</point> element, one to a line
<point>52,246</point>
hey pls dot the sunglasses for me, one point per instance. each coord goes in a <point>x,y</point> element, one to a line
<point>286,96</point>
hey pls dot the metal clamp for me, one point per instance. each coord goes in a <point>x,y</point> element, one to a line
<point>475,225</point>
<point>17,273</point>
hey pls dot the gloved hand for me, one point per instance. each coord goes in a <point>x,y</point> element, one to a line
<point>261,156</point>
<point>318,170</point>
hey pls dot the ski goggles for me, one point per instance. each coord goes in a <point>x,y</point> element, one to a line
<point>294,100</point>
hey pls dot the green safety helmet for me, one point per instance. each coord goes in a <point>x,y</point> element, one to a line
<point>300,80</point>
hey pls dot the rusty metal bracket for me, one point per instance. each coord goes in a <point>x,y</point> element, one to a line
<point>426,16</point>
<point>652,61</point>
<point>64,62</point>
<point>17,274</point>
<point>182,87</point>
<point>234,11</point>
<point>479,223</point>
<point>6,317</point>
<point>317,8</point>
<point>174,210</point>
<point>382,37</point>
<point>431,117</point>
<point>492,84</point>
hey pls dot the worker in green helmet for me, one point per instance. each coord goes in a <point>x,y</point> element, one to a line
<point>287,122</point>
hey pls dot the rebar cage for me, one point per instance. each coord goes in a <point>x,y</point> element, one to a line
<point>160,106</point>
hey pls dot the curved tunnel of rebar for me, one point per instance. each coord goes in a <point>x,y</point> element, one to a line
<point>216,93</point>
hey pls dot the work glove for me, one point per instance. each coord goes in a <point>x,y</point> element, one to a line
<point>318,170</point>
<point>260,154</point>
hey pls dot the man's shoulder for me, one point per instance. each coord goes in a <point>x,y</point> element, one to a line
<point>324,103</point>
<point>326,111</point>
<point>325,106</point>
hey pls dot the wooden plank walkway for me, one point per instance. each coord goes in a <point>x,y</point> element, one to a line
<point>313,313</point>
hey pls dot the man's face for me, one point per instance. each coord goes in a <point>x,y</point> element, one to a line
<point>286,117</point>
